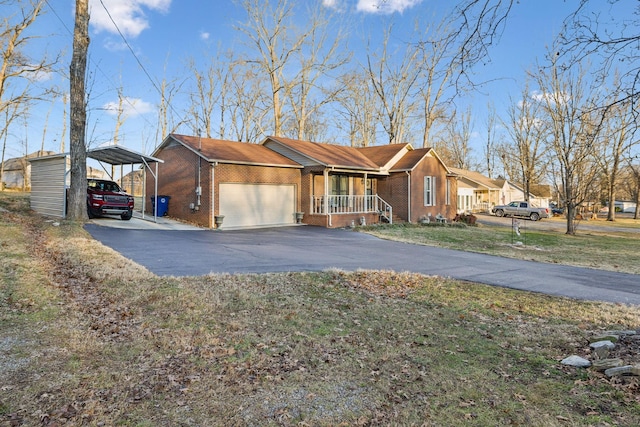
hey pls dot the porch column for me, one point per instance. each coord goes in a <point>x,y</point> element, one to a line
<point>366,198</point>
<point>326,191</point>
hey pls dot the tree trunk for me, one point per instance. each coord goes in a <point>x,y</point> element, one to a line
<point>611,195</point>
<point>78,117</point>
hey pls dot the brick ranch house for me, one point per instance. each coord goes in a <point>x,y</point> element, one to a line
<point>271,183</point>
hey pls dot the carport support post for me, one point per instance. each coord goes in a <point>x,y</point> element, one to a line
<point>155,194</point>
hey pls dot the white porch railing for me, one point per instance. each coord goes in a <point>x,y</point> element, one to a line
<point>352,204</point>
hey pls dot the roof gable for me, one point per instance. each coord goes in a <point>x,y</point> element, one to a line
<point>476,178</point>
<point>328,155</point>
<point>221,151</point>
<point>385,156</point>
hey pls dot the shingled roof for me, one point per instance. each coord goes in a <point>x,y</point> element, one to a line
<point>218,150</point>
<point>477,177</point>
<point>329,155</point>
<point>381,155</point>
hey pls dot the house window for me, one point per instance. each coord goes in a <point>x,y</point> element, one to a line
<point>448,193</point>
<point>369,188</point>
<point>429,190</point>
<point>339,185</point>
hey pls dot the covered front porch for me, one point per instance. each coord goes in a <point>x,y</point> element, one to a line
<point>345,198</point>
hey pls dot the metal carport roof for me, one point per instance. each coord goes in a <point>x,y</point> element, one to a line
<point>119,155</point>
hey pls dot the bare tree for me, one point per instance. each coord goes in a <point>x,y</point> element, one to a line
<point>455,149</point>
<point>616,140</point>
<point>594,32</point>
<point>121,117</point>
<point>574,127</point>
<point>357,109</point>
<point>247,106</point>
<point>490,147</point>
<point>204,99</point>
<point>633,182</point>
<point>166,124</point>
<point>393,83</point>
<point>476,26</point>
<point>270,29</point>
<point>12,112</point>
<point>528,132</point>
<point>16,68</point>
<point>437,71</point>
<point>318,56</point>
<point>78,151</point>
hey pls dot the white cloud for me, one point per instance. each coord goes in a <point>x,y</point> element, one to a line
<point>128,15</point>
<point>332,4</point>
<point>114,45</point>
<point>204,35</point>
<point>552,98</point>
<point>385,6</point>
<point>131,107</point>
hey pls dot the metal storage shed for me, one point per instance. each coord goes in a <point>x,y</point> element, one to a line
<point>50,176</point>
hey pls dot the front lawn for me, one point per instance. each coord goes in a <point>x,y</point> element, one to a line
<point>606,250</point>
<point>90,338</point>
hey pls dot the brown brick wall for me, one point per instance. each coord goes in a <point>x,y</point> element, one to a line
<point>393,190</point>
<point>178,177</point>
<point>431,167</point>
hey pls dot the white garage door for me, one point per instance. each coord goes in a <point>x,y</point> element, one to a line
<point>248,205</point>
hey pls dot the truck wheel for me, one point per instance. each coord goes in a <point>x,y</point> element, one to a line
<point>534,216</point>
<point>499,213</point>
<point>127,216</point>
<point>90,214</point>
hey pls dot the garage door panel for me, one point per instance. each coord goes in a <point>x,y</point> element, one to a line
<point>247,205</point>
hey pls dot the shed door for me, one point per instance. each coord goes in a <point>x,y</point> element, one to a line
<point>249,205</point>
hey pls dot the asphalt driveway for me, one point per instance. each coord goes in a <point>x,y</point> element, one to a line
<point>306,248</point>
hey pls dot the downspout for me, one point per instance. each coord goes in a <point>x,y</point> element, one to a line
<point>199,184</point>
<point>408,196</point>
<point>213,195</point>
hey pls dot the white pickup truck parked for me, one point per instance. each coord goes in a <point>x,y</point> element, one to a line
<point>523,209</point>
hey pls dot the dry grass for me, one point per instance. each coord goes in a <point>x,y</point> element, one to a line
<point>606,249</point>
<point>104,342</point>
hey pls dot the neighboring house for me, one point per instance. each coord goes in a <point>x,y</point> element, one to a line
<point>476,192</point>
<point>16,169</point>
<point>624,206</point>
<point>539,194</point>
<point>16,172</point>
<point>132,183</point>
<point>267,184</point>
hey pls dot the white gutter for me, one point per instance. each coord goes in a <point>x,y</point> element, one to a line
<point>213,194</point>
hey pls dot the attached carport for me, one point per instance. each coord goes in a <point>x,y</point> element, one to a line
<point>50,176</point>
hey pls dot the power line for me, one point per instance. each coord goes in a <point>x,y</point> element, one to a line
<point>103,73</point>
<point>136,57</point>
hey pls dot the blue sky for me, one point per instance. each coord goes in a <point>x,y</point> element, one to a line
<point>163,34</point>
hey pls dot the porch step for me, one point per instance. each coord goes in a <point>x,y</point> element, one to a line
<point>396,219</point>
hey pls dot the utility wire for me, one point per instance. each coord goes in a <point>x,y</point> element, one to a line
<point>107,77</point>
<point>136,57</point>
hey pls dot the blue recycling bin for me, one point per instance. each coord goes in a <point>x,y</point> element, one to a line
<point>163,204</point>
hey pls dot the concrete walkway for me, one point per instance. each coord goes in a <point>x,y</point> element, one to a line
<point>138,222</point>
<point>198,252</point>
